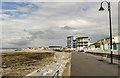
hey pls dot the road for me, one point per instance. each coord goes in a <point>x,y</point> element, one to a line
<point>83,64</point>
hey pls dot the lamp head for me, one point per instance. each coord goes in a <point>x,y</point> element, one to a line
<point>101,9</point>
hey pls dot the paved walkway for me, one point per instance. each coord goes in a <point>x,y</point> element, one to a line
<point>83,64</point>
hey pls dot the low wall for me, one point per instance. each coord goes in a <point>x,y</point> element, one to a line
<point>115,52</point>
<point>62,59</point>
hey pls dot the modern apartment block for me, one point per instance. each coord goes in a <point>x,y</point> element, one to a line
<point>82,42</point>
<point>77,43</point>
<point>70,42</point>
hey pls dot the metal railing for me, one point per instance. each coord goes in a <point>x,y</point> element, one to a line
<point>56,74</point>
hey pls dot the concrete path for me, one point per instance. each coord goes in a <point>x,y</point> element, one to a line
<point>83,64</point>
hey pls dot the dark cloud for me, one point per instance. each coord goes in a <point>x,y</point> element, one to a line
<point>46,34</point>
<point>21,42</point>
<point>67,28</point>
<point>35,35</point>
<point>25,30</point>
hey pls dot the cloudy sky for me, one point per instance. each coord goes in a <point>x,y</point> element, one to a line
<point>35,24</point>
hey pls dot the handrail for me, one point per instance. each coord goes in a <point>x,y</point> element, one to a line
<point>56,73</point>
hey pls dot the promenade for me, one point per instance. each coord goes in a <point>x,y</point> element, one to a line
<point>83,64</point>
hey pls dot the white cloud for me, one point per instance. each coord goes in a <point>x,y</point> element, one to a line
<point>9,10</point>
<point>46,25</point>
<point>4,16</point>
<point>56,0</point>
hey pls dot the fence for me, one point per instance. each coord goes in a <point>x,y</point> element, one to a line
<point>56,74</point>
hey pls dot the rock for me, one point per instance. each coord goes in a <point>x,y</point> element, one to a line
<point>4,66</point>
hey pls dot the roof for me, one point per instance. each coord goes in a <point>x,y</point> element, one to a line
<point>107,38</point>
<point>107,42</point>
<point>116,35</point>
<point>82,37</point>
<point>96,44</point>
<point>70,36</point>
<point>112,36</point>
<point>55,46</point>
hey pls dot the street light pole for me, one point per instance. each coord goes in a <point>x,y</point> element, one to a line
<point>109,10</point>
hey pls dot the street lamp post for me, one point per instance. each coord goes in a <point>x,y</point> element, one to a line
<point>101,9</point>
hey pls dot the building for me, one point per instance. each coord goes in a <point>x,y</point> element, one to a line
<point>74,42</point>
<point>70,42</point>
<point>104,44</point>
<point>82,42</point>
<point>94,46</point>
<point>116,44</point>
<point>55,47</point>
<point>77,43</point>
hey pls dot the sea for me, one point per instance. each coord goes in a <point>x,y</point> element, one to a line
<point>9,48</point>
<point>10,52</point>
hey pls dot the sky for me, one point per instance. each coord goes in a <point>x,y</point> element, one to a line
<point>38,24</point>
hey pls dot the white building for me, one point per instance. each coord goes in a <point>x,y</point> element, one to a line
<point>82,42</point>
<point>55,47</point>
<point>77,43</point>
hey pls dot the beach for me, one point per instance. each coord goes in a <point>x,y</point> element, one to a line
<point>21,64</point>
